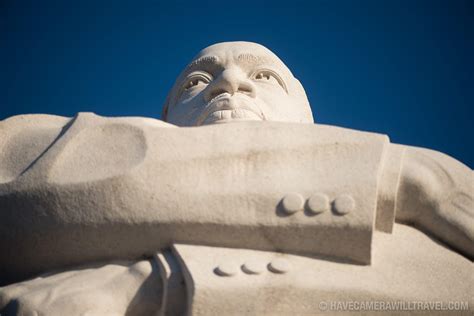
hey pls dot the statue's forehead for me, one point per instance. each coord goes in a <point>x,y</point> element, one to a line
<point>247,54</point>
<point>237,48</point>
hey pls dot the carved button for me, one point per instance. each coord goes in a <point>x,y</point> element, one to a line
<point>344,204</point>
<point>253,267</point>
<point>226,269</point>
<point>318,203</point>
<point>292,203</point>
<point>279,265</point>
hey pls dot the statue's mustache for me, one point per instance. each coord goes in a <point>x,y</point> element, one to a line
<point>238,104</point>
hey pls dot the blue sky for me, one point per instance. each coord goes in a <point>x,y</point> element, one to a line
<point>402,68</point>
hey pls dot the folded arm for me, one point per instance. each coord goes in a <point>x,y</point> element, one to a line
<point>109,188</point>
<point>429,190</point>
<point>436,195</point>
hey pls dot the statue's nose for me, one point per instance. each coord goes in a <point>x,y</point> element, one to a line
<point>230,81</point>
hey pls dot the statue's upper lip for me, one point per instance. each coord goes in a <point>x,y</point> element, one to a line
<point>214,105</point>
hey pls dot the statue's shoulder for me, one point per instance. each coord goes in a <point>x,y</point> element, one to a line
<point>34,122</point>
<point>15,130</point>
<point>29,130</point>
<point>31,121</point>
<point>337,132</point>
<point>24,138</point>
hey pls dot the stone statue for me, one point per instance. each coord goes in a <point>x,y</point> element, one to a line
<point>271,214</point>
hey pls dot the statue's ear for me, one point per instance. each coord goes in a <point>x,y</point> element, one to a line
<point>164,112</point>
<point>171,96</point>
<point>300,93</point>
<point>298,88</point>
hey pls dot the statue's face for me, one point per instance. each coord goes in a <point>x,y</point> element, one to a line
<point>236,81</point>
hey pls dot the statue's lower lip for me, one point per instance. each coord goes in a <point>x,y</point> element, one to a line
<point>229,108</point>
<point>228,115</point>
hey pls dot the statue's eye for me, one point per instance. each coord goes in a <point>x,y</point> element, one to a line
<point>268,76</point>
<point>264,75</point>
<point>195,81</point>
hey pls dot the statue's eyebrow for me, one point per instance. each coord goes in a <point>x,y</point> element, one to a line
<point>205,60</point>
<point>252,59</point>
<point>256,61</point>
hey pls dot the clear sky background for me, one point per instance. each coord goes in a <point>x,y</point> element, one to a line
<point>403,68</point>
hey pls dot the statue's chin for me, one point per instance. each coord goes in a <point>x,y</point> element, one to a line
<point>228,116</point>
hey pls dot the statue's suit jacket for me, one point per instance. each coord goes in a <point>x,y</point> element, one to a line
<point>92,188</point>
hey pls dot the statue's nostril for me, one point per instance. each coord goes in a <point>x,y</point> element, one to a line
<point>245,89</point>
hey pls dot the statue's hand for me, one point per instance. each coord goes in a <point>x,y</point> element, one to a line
<point>436,195</point>
<point>114,289</point>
